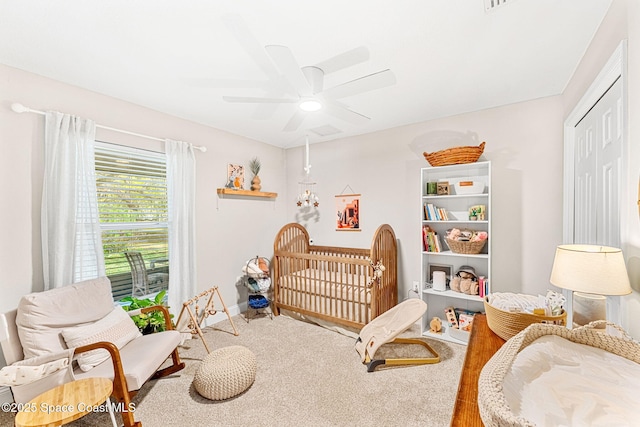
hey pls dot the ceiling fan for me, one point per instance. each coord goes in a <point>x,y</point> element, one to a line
<point>307,85</point>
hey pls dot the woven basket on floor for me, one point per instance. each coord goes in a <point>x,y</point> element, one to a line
<point>466,247</point>
<point>455,155</point>
<point>506,324</point>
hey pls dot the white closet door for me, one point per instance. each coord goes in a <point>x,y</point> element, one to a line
<point>598,157</point>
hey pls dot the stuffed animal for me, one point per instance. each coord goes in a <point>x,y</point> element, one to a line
<point>465,281</point>
<point>469,286</point>
<point>436,325</point>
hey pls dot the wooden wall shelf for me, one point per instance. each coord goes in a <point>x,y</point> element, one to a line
<point>246,193</point>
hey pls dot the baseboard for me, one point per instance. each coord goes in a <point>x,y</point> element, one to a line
<point>221,315</point>
<point>5,395</point>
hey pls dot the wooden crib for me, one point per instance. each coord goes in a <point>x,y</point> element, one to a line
<point>332,283</point>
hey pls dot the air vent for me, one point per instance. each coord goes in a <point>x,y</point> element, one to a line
<point>490,5</point>
<point>325,130</point>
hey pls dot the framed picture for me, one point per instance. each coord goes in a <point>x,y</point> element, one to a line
<point>348,212</point>
<point>443,188</point>
<point>448,271</point>
<point>235,176</point>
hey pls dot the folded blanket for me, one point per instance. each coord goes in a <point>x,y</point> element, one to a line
<point>517,303</point>
<point>35,368</point>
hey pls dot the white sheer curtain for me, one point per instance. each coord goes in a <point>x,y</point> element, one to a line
<point>181,191</point>
<point>71,240</point>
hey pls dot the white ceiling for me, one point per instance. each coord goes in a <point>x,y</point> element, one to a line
<point>179,57</point>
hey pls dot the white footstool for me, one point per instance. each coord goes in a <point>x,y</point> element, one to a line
<point>226,372</point>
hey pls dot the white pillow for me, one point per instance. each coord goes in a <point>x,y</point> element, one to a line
<point>116,327</point>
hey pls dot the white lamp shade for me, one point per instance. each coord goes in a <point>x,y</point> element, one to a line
<point>590,268</point>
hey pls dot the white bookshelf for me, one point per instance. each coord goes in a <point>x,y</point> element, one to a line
<point>457,207</point>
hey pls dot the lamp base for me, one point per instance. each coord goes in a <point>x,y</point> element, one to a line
<point>588,308</point>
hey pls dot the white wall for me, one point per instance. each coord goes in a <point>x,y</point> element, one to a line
<point>621,23</point>
<point>524,143</point>
<point>229,231</point>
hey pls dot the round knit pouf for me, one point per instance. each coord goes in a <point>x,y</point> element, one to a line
<point>226,372</point>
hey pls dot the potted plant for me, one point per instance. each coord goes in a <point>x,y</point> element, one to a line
<point>255,166</point>
<point>148,323</point>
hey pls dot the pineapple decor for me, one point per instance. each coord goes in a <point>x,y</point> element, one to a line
<point>254,166</point>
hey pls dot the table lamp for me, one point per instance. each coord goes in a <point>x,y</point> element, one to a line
<point>591,272</point>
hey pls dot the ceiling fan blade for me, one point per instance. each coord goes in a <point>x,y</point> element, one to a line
<point>363,84</point>
<point>294,122</point>
<point>265,111</point>
<point>288,65</point>
<point>256,100</point>
<point>345,114</point>
<point>344,60</point>
<point>250,44</point>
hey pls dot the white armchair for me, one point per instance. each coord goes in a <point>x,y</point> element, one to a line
<point>76,331</point>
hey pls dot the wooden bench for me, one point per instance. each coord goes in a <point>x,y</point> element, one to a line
<point>483,343</point>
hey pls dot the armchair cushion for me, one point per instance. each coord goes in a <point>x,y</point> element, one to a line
<point>41,316</point>
<point>116,327</point>
<point>140,358</point>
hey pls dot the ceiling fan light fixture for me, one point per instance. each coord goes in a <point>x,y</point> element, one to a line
<point>310,105</point>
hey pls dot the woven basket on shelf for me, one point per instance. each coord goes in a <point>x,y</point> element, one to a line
<point>455,155</point>
<point>466,247</point>
<point>506,324</point>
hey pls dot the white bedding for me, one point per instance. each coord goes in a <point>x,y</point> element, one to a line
<point>556,382</point>
<point>330,284</point>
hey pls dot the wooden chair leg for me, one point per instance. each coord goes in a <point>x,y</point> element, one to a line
<point>123,397</point>
<point>177,366</point>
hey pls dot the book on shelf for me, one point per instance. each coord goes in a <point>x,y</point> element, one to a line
<point>464,318</point>
<point>483,287</point>
<point>434,213</point>
<point>430,240</point>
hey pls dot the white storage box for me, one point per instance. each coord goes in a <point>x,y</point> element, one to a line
<point>469,187</point>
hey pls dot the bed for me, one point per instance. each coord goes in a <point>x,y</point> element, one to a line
<point>331,283</point>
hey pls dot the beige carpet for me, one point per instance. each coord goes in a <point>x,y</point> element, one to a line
<point>307,376</point>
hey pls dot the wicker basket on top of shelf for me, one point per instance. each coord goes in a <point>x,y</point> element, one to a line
<point>455,155</point>
<point>466,247</point>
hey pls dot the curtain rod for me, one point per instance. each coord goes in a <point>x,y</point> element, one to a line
<point>19,108</point>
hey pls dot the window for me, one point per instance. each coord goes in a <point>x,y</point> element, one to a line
<point>132,201</point>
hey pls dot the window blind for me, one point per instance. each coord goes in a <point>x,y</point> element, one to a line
<point>132,200</point>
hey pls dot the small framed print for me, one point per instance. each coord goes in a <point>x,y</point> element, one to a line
<point>443,188</point>
<point>348,212</point>
<point>235,176</point>
<point>448,271</point>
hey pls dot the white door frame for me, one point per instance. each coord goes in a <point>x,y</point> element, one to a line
<point>616,67</point>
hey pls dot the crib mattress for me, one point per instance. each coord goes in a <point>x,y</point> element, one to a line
<point>333,294</point>
<point>329,284</point>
